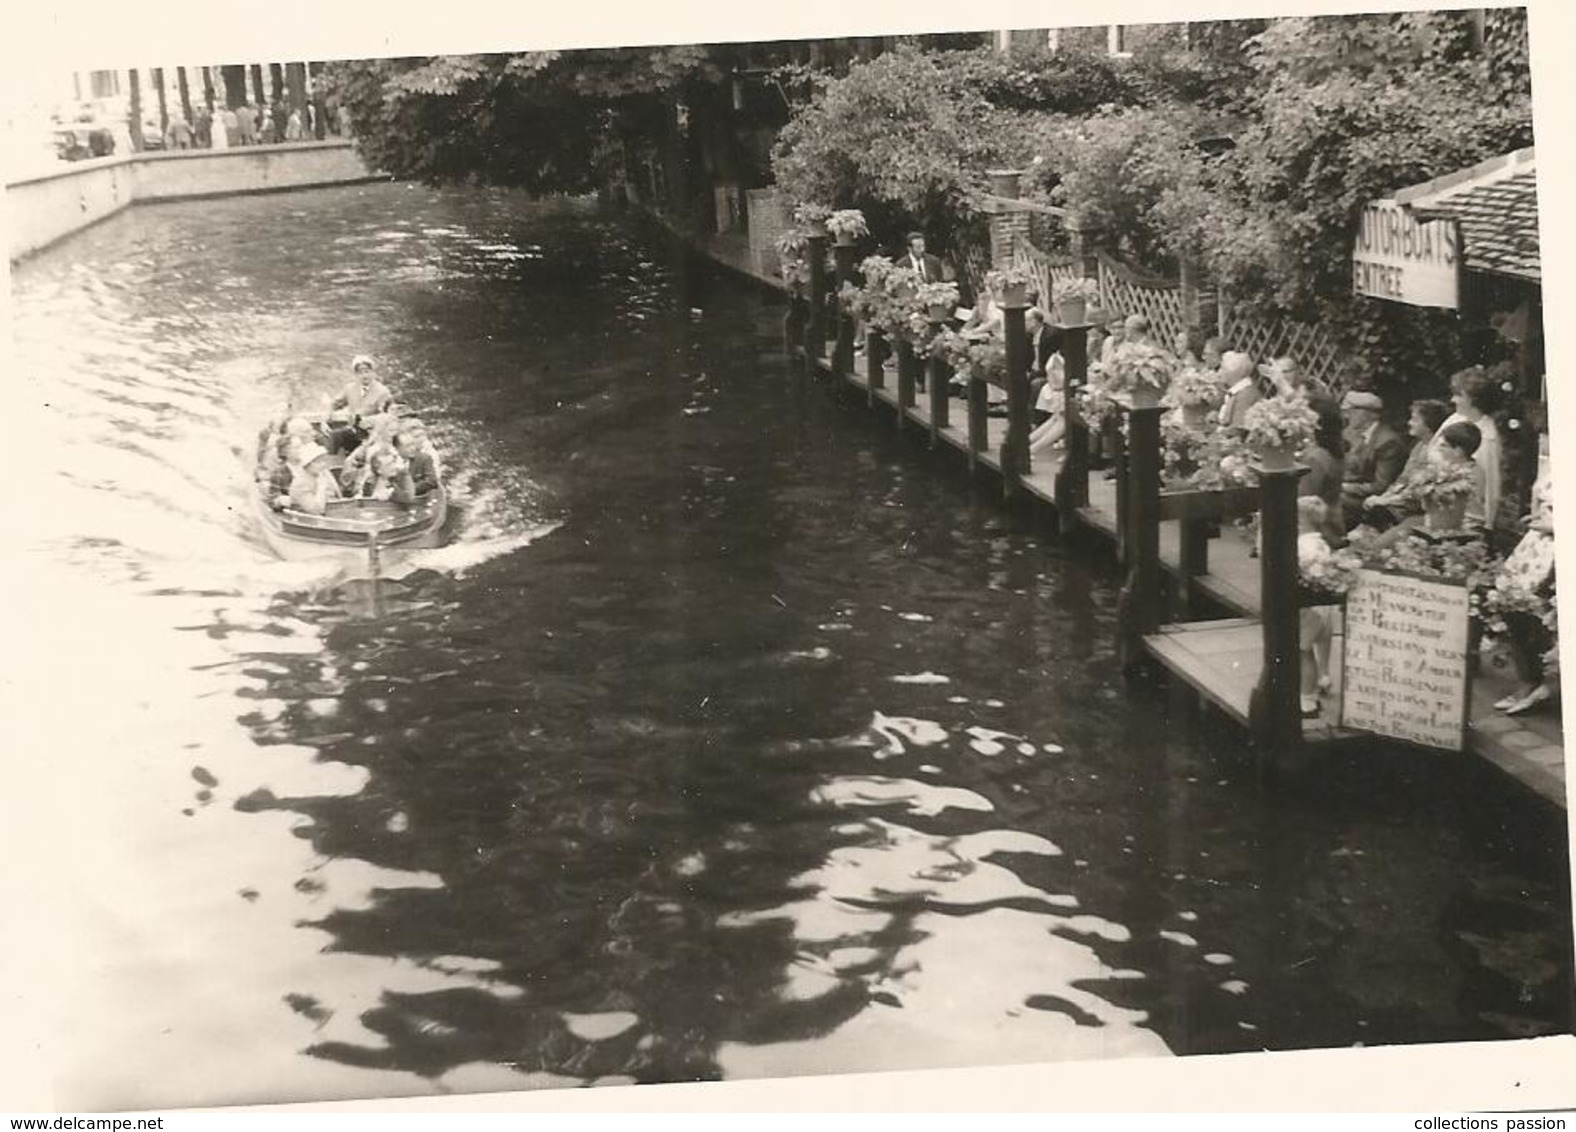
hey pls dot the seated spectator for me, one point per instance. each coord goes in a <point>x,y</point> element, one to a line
<point>1377,454</point>
<point>1385,509</point>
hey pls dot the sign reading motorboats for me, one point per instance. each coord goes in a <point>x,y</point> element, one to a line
<point>1400,258</point>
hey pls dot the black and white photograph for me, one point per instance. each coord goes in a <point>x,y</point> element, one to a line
<point>621,563</point>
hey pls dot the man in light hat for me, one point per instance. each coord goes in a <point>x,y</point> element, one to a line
<point>364,395</point>
<point>1375,456</point>
<point>1242,391</point>
<point>313,484</point>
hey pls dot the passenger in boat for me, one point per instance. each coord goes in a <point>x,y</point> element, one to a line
<point>388,477</point>
<point>411,442</point>
<point>313,484</point>
<point>364,395</point>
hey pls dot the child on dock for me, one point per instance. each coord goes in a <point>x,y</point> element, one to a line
<point>1315,621</point>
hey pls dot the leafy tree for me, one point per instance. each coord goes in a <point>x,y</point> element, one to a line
<point>544,120</point>
<point>903,137</point>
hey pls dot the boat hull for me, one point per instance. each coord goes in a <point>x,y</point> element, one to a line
<point>354,530</point>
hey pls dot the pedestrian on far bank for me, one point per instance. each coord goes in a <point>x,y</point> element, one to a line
<point>293,126</point>
<point>204,128</point>
<point>179,133</point>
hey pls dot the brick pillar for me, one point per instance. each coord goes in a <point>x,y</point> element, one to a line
<point>1009,229</point>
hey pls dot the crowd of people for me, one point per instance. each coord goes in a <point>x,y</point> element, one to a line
<point>1369,485</point>
<point>224,127</point>
<point>367,446</point>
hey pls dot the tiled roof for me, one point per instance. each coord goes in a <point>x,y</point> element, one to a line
<point>1496,204</point>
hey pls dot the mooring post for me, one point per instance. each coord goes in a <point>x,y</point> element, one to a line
<point>1015,447</point>
<point>794,322</point>
<point>908,365</point>
<point>1193,556</point>
<point>1116,435</point>
<point>875,363</point>
<point>1139,604</point>
<point>1274,709</point>
<point>1072,479</point>
<point>815,330</point>
<point>979,419</point>
<point>940,379</point>
<point>843,347</point>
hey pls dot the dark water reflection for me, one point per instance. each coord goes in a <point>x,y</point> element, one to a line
<point>781,752</point>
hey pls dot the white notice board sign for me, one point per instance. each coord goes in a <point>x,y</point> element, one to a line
<point>1399,258</point>
<point>1406,659</point>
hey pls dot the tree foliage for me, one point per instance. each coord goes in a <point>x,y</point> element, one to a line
<point>1340,111</point>
<point>902,137</point>
<point>545,120</point>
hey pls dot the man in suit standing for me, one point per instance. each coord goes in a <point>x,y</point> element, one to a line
<point>922,263</point>
<point>1376,456</point>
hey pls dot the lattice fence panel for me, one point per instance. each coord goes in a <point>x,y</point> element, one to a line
<point>1162,305</point>
<point>1309,346</point>
<point>1050,271</point>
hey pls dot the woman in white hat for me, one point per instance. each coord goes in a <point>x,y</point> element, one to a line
<point>313,484</point>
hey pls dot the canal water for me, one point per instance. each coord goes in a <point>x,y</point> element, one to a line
<point>733,736</point>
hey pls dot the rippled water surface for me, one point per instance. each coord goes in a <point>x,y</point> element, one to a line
<point>733,736</point>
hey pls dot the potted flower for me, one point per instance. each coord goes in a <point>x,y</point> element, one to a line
<point>812,217</point>
<point>1444,487</point>
<point>938,299</point>
<point>1278,427</point>
<point>1073,300</point>
<point>875,269</point>
<point>1194,392</point>
<point>1012,284</point>
<point>1326,576</point>
<point>846,225</point>
<point>1096,406</point>
<point>1141,371</point>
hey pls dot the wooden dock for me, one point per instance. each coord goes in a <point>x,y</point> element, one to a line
<point>1220,658</point>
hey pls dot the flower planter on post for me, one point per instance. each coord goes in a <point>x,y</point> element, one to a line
<point>1015,448</point>
<point>940,379</point>
<point>1072,479</point>
<point>1274,710</point>
<point>1071,312</point>
<point>1276,457</point>
<point>843,348</point>
<point>815,330</point>
<point>1138,609</point>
